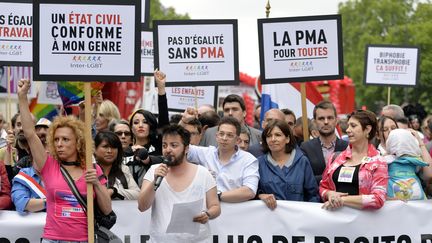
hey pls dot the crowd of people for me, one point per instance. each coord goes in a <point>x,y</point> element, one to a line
<point>208,159</point>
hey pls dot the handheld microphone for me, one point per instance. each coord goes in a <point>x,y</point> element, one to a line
<point>167,161</point>
<point>142,154</point>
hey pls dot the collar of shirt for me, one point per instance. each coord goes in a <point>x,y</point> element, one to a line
<point>233,157</point>
<point>332,144</point>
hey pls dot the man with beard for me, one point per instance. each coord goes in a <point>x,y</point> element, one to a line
<point>319,149</point>
<point>182,183</point>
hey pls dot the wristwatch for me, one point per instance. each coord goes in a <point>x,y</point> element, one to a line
<point>219,194</point>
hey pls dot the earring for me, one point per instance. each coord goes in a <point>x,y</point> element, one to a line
<point>367,135</point>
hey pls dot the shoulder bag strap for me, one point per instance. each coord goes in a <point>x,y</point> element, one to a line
<point>73,187</point>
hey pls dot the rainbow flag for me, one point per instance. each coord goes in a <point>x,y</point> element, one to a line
<point>73,92</point>
<point>43,110</point>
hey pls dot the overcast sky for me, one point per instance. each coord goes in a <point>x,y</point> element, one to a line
<point>247,12</point>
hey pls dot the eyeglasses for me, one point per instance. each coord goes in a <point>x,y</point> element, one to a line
<point>227,135</point>
<point>125,133</point>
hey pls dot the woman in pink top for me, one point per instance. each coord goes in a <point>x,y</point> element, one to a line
<point>66,220</point>
<point>358,176</point>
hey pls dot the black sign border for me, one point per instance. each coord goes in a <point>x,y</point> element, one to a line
<point>18,63</point>
<point>340,74</point>
<point>100,78</point>
<point>146,22</point>
<point>232,22</point>
<point>392,46</point>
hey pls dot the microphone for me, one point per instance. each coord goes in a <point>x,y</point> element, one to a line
<point>167,161</point>
<point>142,154</point>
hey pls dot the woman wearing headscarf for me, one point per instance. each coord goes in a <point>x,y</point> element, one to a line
<point>407,157</point>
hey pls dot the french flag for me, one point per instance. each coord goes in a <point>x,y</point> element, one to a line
<point>287,95</point>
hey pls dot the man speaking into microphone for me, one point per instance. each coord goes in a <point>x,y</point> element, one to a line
<point>182,184</point>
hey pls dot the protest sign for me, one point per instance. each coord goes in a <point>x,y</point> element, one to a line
<point>87,40</point>
<point>16,33</point>
<point>197,52</point>
<point>11,76</point>
<point>392,65</point>
<point>147,52</point>
<point>180,98</point>
<point>300,49</point>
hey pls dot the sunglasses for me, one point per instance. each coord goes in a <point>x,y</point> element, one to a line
<point>120,133</point>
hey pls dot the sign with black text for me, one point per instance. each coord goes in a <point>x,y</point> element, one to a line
<point>147,52</point>
<point>179,98</point>
<point>88,40</point>
<point>392,65</point>
<point>197,52</point>
<point>300,49</point>
<point>16,33</point>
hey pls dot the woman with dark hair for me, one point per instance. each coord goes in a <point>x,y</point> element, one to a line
<point>285,172</point>
<point>109,155</point>
<point>145,126</point>
<point>386,124</point>
<point>358,176</point>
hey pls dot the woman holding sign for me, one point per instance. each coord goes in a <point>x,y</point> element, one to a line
<point>66,220</point>
<point>358,176</point>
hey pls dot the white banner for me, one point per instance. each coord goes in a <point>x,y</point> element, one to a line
<point>197,52</point>
<point>253,222</point>
<point>180,98</point>
<point>86,41</point>
<point>16,33</point>
<point>300,49</point>
<point>392,65</point>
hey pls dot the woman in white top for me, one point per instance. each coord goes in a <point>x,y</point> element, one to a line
<point>109,155</point>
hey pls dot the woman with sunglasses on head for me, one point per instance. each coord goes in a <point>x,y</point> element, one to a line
<point>358,176</point>
<point>109,155</point>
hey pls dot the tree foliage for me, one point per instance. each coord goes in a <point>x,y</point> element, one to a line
<point>395,22</point>
<point>160,12</point>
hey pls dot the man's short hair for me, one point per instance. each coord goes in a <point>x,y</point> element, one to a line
<point>396,110</point>
<point>287,111</point>
<point>234,98</point>
<point>175,129</point>
<point>209,118</point>
<point>324,105</point>
<point>231,121</point>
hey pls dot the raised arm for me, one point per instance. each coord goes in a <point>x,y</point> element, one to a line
<point>160,79</point>
<point>36,147</point>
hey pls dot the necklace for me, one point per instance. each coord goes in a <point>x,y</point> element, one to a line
<point>75,163</point>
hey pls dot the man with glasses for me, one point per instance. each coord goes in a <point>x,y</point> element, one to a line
<point>235,170</point>
<point>319,149</point>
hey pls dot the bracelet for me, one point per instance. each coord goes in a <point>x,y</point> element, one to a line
<point>206,212</point>
<point>44,202</point>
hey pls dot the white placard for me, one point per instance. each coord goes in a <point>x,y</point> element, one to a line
<point>147,53</point>
<point>16,33</point>
<point>48,93</point>
<point>300,49</point>
<point>180,98</point>
<point>197,52</point>
<point>392,65</point>
<point>86,42</point>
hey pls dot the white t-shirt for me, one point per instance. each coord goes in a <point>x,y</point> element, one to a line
<point>165,199</point>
